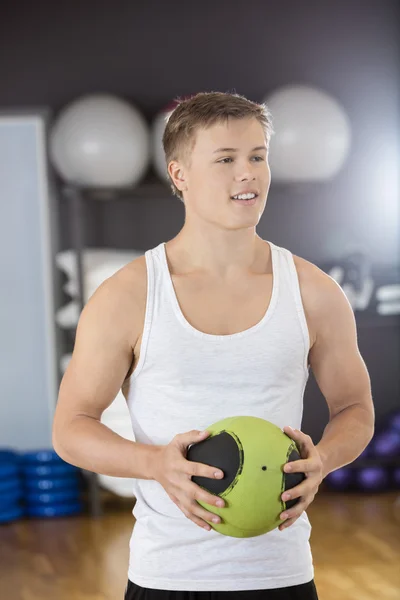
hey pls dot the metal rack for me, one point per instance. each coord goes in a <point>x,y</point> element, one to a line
<point>75,198</point>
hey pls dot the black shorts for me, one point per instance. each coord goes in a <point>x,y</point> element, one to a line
<point>306,591</point>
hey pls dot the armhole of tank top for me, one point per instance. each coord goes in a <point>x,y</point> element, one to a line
<point>294,278</point>
<point>148,319</point>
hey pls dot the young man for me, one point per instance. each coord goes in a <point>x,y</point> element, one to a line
<point>216,322</point>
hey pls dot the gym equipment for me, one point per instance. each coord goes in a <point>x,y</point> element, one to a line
<point>55,484</point>
<point>11,514</point>
<point>100,141</point>
<point>396,478</point>
<point>312,134</point>
<point>8,485</point>
<point>251,452</point>
<point>11,491</point>
<point>341,479</point>
<point>373,479</point>
<point>9,456</point>
<point>10,497</point>
<point>386,444</point>
<point>39,456</point>
<point>377,469</point>
<point>53,497</point>
<point>51,470</point>
<point>8,470</point>
<point>56,510</point>
<point>51,485</point>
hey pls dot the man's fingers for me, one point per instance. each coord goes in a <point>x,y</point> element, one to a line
<point>302,439</point>
<point>197,520</point>
<point>303,490</point>
<point>287,523</point>
<point>293,513</point>
<point>298,466</point>
<point>296,492</point>
<point>202,470</point>
<point>196,513</point>
<point>197,493</point>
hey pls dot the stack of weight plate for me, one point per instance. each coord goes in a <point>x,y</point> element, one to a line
<point>11,488</point>
<point>52,486</point>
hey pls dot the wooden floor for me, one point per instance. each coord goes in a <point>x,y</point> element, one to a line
<point>355,542</point>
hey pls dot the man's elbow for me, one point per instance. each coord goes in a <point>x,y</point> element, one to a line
<point>57,446</point>
<point>367,417</point>
<point>59,435</point>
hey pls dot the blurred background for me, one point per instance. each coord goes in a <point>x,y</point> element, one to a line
<point>86,88</point>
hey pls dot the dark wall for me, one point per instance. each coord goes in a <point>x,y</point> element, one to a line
<point>150,52</point>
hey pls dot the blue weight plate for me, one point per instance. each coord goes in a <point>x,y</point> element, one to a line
<point>7,485</point>
<point>52,497</point>
<point>8,470</point>
<point>10,497</point>
<point>8,456</point>
<point>57,483</point>
<point>48,470</point>
<point>40,456</point>
<point>54,510</point>
<point>11,514</point>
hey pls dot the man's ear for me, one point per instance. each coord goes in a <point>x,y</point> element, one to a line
<point>177,173</point>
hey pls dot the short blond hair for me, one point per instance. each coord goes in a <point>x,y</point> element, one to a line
<point>204,110</point>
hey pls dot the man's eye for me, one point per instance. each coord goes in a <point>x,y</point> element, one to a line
<point>229,159</point>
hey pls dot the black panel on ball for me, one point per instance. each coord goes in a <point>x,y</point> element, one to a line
<point>219,451</point>
<point>293,479</point>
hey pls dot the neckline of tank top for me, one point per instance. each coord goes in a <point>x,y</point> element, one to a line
<point>211,336</point>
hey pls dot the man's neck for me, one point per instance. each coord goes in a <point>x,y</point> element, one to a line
<point>221,256</point>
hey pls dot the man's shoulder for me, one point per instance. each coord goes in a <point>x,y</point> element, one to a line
<point>320,292</point>
<point>133,273</point>
<point>126,288</point>
<point>309,271</point>
<point>312,279</point>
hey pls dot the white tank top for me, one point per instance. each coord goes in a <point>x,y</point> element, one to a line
<point>186,379</point>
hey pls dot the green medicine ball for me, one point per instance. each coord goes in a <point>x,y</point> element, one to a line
<point>251,452</point>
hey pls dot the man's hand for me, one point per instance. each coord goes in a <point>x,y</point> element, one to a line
<point>174,472</point>
<point>311,465</point>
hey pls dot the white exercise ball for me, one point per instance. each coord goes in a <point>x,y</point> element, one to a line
<point>100,141</point>
<point>157,132</point>
<point>312,134</point>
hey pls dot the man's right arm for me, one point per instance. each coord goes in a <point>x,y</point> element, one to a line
<point>100,362</point>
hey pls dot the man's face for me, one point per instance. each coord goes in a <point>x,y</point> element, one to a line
<point>228,159</point>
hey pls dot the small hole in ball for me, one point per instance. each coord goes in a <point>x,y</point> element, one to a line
<point>264,468</point>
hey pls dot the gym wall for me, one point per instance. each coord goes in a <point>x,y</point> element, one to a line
<point>150,52</point>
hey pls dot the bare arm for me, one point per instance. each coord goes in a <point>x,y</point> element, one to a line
<point>344,381</point>
<point>100,362</point>
<point>340,372</point>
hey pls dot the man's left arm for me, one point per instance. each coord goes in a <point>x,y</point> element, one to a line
<point>343,379</point>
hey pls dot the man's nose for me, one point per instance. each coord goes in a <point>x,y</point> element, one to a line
<point>245,176</point>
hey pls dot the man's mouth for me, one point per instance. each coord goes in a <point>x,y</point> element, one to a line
<point>245,199</point>
<point>248,196</point>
